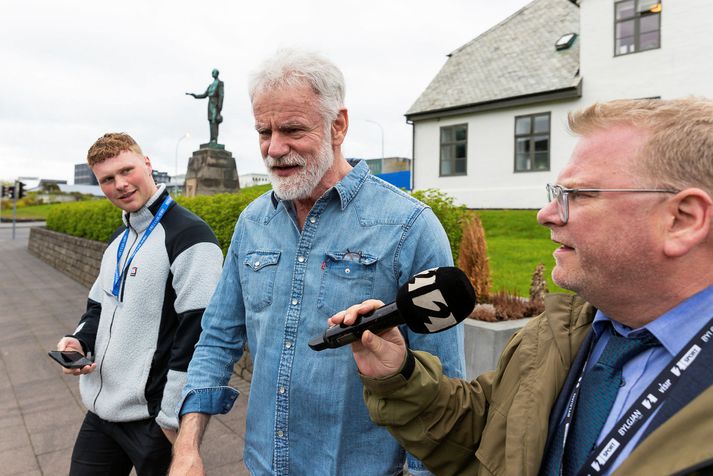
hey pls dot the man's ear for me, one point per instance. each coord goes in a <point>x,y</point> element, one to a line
<point>339,127</point>
<point>147,161</point>
<point>689,213</point>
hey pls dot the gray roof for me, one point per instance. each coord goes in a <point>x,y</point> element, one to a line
<point>515,58</point>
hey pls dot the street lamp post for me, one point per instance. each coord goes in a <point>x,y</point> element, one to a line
<point>382,135</point>
<point>184,136</point>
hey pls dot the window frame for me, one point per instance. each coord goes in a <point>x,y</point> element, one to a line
<point>531,135</point>
<point>453,144</point>
<point>636,17</point>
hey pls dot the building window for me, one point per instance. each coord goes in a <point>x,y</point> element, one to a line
<point>637,26</point>
<point>454,146</point>
<point>532,142</point>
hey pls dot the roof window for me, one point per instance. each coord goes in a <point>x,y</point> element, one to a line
<point>565,41</point>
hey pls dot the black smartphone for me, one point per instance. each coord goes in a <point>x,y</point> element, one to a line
<point>69,359</point>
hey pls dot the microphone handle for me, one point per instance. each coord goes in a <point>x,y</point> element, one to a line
<point>376,321</point>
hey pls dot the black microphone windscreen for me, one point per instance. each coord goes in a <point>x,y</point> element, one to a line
<point>436,299</point>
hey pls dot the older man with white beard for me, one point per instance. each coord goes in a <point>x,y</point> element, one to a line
<point>327,236</point>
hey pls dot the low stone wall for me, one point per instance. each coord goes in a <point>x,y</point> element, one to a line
<point>78,258</point>
<point>484,341</point>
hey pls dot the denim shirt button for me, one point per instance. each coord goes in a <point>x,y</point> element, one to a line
<point>257,263</point>
<point>313,220</point>
<point>281,390</point>
<point>347,270</point>
<point>295,302</point>
<point>301,259</point>
<point>280,434</point>
<point>288,344</point>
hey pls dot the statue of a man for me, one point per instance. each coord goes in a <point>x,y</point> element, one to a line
<point>214,93</point>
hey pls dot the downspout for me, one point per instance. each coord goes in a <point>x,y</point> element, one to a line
<point>413,152</point>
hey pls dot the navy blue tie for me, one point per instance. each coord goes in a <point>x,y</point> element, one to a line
<point>597,392</point>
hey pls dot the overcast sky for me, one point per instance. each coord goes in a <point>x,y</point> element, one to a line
<point>72,70</point>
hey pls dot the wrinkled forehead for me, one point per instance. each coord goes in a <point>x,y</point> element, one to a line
<point>286,102</point>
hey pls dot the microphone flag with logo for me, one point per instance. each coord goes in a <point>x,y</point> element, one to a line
<point>431,301</point>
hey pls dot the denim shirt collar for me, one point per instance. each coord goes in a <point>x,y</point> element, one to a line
<point>347,188</point>
<point>141,218</point>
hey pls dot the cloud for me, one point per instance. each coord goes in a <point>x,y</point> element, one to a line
<point>73,70</point>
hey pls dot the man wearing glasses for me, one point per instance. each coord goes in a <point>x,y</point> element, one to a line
<point>617,379</point>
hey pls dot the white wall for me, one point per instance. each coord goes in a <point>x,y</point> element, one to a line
<point>490,181</point>
<point>681,67</point>
<point>250,180</point>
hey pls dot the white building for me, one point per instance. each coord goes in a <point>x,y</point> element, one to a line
<point>248,180</point>
<point>490,129</point>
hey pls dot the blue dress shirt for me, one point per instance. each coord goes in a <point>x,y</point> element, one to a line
<point>673,329</point>
<point>362,239</point>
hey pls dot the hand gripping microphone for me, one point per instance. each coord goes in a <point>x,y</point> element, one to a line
<point>432,301</point>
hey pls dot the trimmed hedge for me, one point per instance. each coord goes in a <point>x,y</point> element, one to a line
<point>97,219</point>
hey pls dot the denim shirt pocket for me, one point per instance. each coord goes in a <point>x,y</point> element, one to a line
<point>347,279</point>
<point>260,278</point>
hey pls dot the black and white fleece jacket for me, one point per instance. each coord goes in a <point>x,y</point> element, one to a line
<point>143,339</point>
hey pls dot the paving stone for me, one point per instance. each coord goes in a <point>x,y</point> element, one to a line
<point>13,437</point>
<point>55,463</point>
<point>40,407</point>
<point>19,461</point>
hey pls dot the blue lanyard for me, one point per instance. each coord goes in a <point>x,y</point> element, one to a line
<point>122,244</point>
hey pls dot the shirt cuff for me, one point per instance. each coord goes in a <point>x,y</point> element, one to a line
<point>211,401</point>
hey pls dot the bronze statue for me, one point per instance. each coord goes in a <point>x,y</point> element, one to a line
<point>214,93</point>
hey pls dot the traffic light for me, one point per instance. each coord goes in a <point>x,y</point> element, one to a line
<point>3,191</point>
<point>20,190</point>
<point>10,191</point>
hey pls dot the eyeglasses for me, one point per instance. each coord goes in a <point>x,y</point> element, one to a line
<point>561,194</point>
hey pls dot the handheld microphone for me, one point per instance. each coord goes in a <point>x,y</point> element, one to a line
<point>432,301</point>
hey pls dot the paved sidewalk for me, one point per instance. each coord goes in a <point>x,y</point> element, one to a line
<point>40,408</point>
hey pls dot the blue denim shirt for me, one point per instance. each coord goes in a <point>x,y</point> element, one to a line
<point>362,239</point>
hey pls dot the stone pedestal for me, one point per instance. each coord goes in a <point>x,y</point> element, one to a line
<point>211,170</point>
<point>484,341</point>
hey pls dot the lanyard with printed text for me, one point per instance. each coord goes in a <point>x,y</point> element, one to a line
<point>122,244</point>
<point>603,456</point>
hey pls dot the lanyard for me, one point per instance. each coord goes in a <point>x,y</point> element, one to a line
<point>122,244</point>
<point>601,459</point>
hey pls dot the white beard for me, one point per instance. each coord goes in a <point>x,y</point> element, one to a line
<point>300,185</point>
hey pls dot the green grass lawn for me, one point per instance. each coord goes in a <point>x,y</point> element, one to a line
<point>35,212</point>
<point>516,245</point>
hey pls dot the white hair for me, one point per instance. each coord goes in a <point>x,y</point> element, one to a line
<point>291,68</point>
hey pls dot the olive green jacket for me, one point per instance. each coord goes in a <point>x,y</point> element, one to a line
<point>497,424</point>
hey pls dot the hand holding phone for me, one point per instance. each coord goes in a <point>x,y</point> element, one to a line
<point>69,359</point>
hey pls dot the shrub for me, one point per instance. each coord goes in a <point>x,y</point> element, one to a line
<point>221,211</point>
<point>94,220</point>
<point>538,288</point>
<point>451,216</point>
<point>97,219</point>
<point>473,258</point>
<point>505,305</point>
<point>508,306</point>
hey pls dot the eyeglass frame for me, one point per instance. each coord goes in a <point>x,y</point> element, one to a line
<point>561,195</point>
